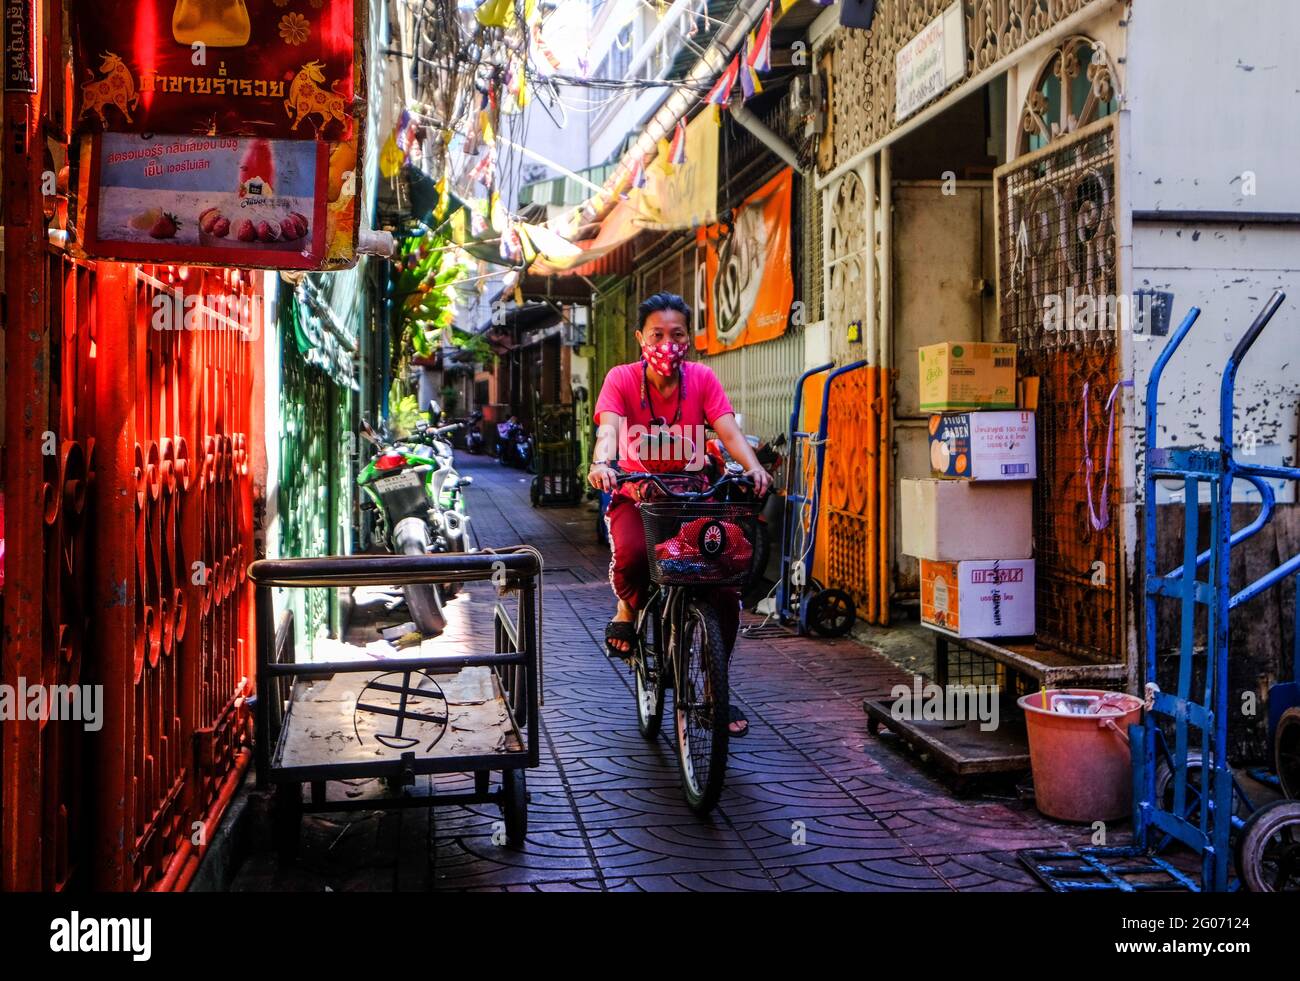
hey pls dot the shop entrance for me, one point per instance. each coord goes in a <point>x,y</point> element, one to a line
<point>943,275</point>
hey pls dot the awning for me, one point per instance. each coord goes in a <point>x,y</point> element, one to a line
<point>615,214</point>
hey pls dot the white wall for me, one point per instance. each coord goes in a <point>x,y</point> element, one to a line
<point>1213,94</point>
<point>1229,271</point>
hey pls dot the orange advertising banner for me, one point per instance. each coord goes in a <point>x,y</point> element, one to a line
<point>744,278</point>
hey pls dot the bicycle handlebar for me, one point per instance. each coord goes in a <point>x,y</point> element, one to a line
<point>627,477</point>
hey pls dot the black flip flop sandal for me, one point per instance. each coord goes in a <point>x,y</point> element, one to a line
<point>736,715</point>
<point>623,630</point>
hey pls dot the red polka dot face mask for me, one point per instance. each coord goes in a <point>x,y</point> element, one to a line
<point>665,357</point>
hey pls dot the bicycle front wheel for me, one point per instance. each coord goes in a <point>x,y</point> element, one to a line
<point>701,707</point>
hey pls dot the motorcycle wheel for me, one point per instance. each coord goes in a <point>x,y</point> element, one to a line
<point>423,600</point>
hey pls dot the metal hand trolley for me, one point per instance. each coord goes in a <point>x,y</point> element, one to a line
<point>390,717</point>
<point>1186,792</point>
<point>800,598</point>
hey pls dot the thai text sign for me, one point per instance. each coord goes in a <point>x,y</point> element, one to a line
<point>20,46</point>
<point>270,68</point>
<point>930,62</point>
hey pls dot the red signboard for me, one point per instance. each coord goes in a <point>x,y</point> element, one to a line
<point>271,68</point>
<point>219,131</point>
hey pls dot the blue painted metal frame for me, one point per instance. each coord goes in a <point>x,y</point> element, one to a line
<point>1101,870</point>
<point>1202,818</point>
<point>1205,826</point>
<point>797,496</point>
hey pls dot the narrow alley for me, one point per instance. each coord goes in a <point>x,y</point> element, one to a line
<point>811,802</point>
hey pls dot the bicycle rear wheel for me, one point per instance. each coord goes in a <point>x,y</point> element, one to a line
<point>701,707</point>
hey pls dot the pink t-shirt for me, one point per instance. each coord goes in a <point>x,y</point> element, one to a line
<point>702,402</point>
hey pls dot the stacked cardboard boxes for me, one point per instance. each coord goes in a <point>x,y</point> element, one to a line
<point>970,523</point>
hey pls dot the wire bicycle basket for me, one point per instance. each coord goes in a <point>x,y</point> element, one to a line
<point>701,543</point>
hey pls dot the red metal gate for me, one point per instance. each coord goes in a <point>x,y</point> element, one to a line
<point>128,524</point>
<point>141,583</point>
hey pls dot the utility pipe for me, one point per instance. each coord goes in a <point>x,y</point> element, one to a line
<point>707,69</point>
<point>886,376</point>
<point>764,134</point>
<point>870,335</point>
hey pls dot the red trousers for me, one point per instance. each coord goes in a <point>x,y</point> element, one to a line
<point>629,569</point>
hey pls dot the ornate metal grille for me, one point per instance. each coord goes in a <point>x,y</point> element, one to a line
<point>862,101</point>
<point>1057,301</point>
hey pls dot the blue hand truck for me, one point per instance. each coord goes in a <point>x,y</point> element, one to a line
<point>800,599</point>
<point>1186,792</point>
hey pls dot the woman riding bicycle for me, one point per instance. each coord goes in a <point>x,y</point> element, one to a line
<point>651,416</point>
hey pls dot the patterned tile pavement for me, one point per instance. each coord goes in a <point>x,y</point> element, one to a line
<point>812,802</point>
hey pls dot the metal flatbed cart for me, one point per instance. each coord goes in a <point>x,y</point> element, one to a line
<point>392,717</point>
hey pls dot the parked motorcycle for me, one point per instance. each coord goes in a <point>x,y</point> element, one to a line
<point>514,445</point>
<point>474,435</point>
<point>416,494</point>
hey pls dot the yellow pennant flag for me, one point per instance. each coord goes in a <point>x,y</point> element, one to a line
<point>444,199</point>
<point>391,157</point>
<point>495,13</point>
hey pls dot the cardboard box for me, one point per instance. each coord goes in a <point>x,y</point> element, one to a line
<point>984,445</point>
<point>951,520</point>
<point>979,597</point>
<point>967,375</point>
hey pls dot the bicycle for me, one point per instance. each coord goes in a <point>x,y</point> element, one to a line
<point>695,541</point>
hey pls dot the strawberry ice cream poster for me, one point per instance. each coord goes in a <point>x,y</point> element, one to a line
<point>208,199</point>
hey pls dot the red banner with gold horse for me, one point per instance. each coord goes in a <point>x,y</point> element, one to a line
<point>276,69</point>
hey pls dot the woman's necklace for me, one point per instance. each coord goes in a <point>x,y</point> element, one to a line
<point>647,400</point>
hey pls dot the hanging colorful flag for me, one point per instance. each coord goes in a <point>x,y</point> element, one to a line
<point>391,157</point>
<point>720,94</point>
<point>407,132</point>
<point>539,42</point>
<point>482,170</point>
<point>501,13</point>
<point>760,44</point>
<point>749,81</point>
<point>638,173</point>
<point>677,151</point>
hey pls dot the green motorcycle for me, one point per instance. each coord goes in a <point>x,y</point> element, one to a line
<point>417,499</point>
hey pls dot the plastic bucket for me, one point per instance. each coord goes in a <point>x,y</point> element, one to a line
<point>1081,763</point>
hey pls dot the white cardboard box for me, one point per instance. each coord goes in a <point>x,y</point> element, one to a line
<point>979,597</point>
<point>963,519</point>
<point>984,445</point>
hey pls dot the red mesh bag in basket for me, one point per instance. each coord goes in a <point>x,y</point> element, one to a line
<point>720,543</point>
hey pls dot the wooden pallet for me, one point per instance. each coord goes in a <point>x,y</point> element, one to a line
<point>960,747</point>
